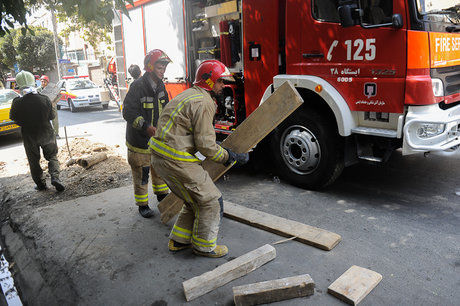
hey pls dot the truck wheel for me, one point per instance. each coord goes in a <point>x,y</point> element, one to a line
<point>308,151</point>
<point>71,106</point>
<point>105,106</point>
<point>58,107</point>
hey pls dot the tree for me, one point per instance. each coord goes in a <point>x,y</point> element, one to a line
<point>99,11</point>
<point>92,31</point>
<point>33,52</point>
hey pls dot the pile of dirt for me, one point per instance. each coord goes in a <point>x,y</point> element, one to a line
<point>112,172</point>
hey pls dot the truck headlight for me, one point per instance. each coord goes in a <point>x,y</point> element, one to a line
<point>438,87</point>
<point>428,130</point>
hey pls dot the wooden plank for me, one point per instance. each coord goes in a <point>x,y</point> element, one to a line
<point>52,92</point>
<point>247,135</point>
<point>227,272</point>
<point>353,285</point>
<point>274,290</point>
<point>307,234</point>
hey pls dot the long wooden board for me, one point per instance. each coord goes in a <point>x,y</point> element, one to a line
<point>227,272</point>
<point>247,135</point>
<point>353,285</point>
<point>311,235</point>
<point>274,290</point>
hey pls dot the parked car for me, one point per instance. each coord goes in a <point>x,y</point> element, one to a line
<point>7,125</point>
<point>79,91</point>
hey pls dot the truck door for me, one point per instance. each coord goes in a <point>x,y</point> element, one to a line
<point>366,65</point>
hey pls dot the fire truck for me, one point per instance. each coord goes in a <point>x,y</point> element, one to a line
<point>375,75</point>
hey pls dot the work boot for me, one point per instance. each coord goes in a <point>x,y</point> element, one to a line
<point>40,187</point>
<point>219,251</point>
<point>146,212</point>
<point>175,246</point>
<point>57,184</point>
<point>160,197</point>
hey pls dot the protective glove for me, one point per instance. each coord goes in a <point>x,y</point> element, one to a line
<point>240,158</point>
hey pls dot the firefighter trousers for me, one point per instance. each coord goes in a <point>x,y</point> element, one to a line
<point>199,220</point>
<point>140,168</point>
<point>32,145</point>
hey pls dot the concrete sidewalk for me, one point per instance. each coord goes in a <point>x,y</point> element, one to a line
<point>98,250</point>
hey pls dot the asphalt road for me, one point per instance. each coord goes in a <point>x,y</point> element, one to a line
<point>400,219</point>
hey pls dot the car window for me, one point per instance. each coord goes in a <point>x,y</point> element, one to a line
<point>80,84</point>
<point>6,97</point>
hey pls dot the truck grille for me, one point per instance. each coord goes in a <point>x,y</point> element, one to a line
<point>450,76</point>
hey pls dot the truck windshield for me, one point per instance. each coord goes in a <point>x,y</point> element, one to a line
<point>449,8</point>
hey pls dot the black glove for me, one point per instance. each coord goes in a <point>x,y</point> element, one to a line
<point>240,158</point>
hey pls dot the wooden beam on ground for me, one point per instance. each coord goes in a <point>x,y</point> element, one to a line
<point>307,234</point>
<point>227,272</point>
<point>353,285</point>
<point>274,290</point>
<point>284,101</point>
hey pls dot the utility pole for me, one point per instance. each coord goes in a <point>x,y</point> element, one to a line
<point>56,47</point>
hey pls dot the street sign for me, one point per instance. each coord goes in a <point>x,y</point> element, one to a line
<point>64,61</point>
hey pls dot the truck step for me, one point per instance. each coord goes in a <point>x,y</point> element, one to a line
<point>375,132</point>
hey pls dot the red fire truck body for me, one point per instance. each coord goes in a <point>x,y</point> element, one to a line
<point>375,76</point>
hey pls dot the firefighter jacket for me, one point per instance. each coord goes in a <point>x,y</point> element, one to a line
<point>186,126</point>
<point>33,113</point>
<point>141,108</point>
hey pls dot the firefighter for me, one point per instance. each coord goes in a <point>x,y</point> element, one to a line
<point>142,106</point>
<point>33,113</point>
<point>134,71</point>
<point>45,80</point>
<point>184,128</point>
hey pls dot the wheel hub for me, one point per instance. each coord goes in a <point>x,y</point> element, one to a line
<point>300,150</point>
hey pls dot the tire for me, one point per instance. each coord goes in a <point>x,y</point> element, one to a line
<point>105,106</point>
<point>308,151</point>
<point>71,106</point>
<point>58,107</point>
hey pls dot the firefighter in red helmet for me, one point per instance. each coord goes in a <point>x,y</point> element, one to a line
<point>184,128</point>
<point>142,106</point>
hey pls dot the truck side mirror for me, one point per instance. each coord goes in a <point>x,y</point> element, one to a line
<point>397,21</point>
<point>346,15</point>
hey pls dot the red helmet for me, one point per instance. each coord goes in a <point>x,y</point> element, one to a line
<point>156,55</point>
<point>44,77</point>
<point>209,72</point>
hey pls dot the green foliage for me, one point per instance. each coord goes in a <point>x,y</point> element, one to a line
<point>98,11</point>
<point>33,52</point>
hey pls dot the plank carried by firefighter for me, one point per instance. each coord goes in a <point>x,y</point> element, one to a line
<point>307,234</point>
<point>284,101</point>
<point>52,92</point>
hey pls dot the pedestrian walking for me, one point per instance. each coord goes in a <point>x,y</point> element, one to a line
<point>44,82</point>
<point>184,128</point>
<point>33,112</point>
<point>142,106</point>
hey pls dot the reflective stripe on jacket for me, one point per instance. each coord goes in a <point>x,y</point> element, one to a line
<point>186,126</point>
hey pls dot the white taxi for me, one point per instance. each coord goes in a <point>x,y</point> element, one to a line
<point>79,91</point>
